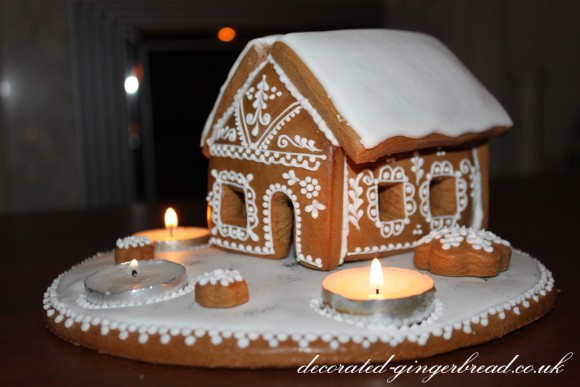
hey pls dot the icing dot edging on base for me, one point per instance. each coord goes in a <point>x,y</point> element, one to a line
<point>56,310</point>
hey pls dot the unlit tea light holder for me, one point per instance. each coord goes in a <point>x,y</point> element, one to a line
<point>133,283</point>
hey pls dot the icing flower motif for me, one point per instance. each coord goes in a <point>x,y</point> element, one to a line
<point>314,207</point>
<point>310,187</point>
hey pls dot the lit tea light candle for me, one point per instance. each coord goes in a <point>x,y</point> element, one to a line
<point>174,238</point>
<point>403,296</point>
<point>135,282</point>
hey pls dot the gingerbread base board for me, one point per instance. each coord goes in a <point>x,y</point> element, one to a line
<point>282,326</point>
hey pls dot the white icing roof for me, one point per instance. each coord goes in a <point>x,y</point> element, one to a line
<point>388,83</point>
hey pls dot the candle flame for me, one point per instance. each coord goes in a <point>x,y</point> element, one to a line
<point>170,218</point>
<point>376,278</point>
<point>134,264</point>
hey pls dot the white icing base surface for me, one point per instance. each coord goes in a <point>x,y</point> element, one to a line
<point>281,299</point>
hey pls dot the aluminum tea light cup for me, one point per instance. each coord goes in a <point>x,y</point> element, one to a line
<point>174,238</point>
<point>135,283</point>
<point>393,295</point>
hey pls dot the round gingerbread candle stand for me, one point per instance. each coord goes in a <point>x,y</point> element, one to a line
<point>280,327</point>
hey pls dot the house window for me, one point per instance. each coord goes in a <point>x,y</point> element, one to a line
<point>391,202</point>
<point>442,196</point>
<point>233,206</point>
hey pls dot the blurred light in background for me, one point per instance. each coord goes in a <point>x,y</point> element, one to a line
<point>5,89</point>
<point>226,34</point>
<point>131,84</point>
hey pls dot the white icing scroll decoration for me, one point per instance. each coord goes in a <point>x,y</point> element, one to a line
<point>345,213</point>
<point>226,133</point>
<point>250,125</point>
<point>355,192</point>
<point>236,101</point>
<point>417,166</point>
<point>475,184</point>
<point>305,103</point>
<point>391,175</point>
<point>214,198</point>
<point>254,131</point>
<point>259,95</point>
<point>298,142</point>
<point>291,177</point>
<point>443,169</point>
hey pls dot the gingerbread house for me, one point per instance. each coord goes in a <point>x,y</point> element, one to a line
<point>350,144</point>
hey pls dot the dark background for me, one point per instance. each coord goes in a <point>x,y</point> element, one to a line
<point>71,137</point>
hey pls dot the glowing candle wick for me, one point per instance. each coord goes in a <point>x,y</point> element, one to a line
<point>134,265</point>
<point>376,276</point>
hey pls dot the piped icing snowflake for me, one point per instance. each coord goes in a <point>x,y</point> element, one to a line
<point>453,236</point>
<point>220,276</point>
<point>133,241</point>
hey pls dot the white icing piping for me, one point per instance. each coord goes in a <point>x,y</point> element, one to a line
<point>87,304</point>
<point>320,123</point>
<point>453,237</point>
<point>345,212</point>
<point>373,322</point>
<point>438,168</point>
<point>256,43</point>
<point>53,306</point>
<point>309,162</point>
<point>443,169</point>
<point>304,102</point>
<point>230,110</point>
<point>476,190</point>
<point>220,276</point>
<point>308,187</point>
<point>133,241</point>
<point>396,175</point>
<point>381,248</point>
<point>241,181</point>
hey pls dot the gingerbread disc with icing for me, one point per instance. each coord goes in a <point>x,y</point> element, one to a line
<point>284,321</point>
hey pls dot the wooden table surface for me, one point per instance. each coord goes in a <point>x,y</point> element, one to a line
<point>538,215</point>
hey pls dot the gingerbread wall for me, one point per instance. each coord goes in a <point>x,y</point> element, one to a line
<point>395,201</point>
<point>274,175</point>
